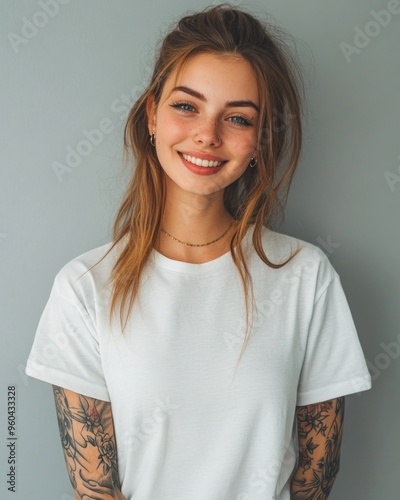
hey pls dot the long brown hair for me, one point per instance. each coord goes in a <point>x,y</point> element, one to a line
<point>259,195</point>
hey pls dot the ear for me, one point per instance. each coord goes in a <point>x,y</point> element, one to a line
<point>151,113</point>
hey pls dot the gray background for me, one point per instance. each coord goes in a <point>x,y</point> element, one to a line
<point>74,72</point>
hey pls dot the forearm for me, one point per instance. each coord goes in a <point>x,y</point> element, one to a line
<point>90,452</point>
<point>92,489</point>
<point>119,496</point>
<point>310,488</point>
<point>320,428</point>
<point>116,496</point>
<point>91,484</point>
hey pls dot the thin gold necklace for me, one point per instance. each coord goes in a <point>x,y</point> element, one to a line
<point>201,245</point>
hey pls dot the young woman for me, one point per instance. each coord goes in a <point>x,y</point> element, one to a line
<point>202,355</point>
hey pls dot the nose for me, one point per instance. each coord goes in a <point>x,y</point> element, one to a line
<point>207,134</point>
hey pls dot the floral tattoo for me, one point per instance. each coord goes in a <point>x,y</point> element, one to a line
<point>320,429</point>
<point>90,452</point>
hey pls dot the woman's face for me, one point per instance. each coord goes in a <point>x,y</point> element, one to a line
<point>206,124</point>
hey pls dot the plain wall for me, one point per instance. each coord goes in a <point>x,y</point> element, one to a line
<point>82,67</point>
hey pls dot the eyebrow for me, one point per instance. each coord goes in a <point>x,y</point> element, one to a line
<point>229,104</point>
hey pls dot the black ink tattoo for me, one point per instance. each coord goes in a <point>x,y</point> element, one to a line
<point>90,453</point>
<point>320,429</point>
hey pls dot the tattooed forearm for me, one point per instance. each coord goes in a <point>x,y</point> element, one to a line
<point>87,437</point>
<point>320,430</point>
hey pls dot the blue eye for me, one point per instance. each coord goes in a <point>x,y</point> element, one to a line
<point>186,107</point>
<point>239,120</point>
<point>183,106</point>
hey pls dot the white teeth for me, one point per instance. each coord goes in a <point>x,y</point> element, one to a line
<point>202,163</point>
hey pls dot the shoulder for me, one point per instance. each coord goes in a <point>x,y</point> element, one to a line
<point>280,246</point>
<point>308,263</point>
<point>88,272</point>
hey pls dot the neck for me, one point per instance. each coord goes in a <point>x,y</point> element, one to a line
<point>196,223</point>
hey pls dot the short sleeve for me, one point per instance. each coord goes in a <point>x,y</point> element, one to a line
<point>334,363</point>
<point>66,350</point>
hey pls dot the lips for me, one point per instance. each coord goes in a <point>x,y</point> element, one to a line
<point>207,169</point>
<point>202,160</point>
<point>202,163</point>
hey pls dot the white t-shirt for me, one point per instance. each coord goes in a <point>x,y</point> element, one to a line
<point>185,427</point>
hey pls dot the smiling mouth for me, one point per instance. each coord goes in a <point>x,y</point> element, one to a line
<point>201,163</point>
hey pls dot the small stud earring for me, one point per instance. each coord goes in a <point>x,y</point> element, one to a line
<point>152,138</point>
<point>253,162</point>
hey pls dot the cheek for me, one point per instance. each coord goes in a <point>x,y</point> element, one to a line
<point>172,128</point>
<point>244,146</point>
